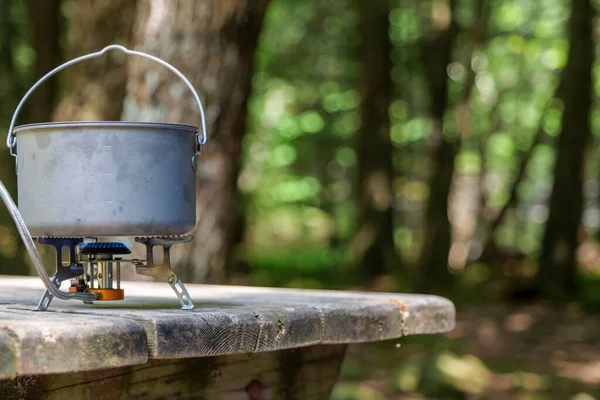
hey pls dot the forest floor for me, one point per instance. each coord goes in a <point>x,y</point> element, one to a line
<point>496,352</point>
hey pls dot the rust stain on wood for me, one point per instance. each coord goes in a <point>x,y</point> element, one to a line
<point>400,305</point>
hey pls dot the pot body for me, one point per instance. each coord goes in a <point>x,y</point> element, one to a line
<point>91,179</point>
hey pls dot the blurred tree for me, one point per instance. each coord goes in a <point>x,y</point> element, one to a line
<point>436,53</point>
<point>490,250</point>
<point>95,89</point>
<point>45,23</point>
<point>464,111</point>
<point>558,264</point>
<point>213,44</point>
<point>12,84</point>
<point>303,111</point>
<point>373,244</point>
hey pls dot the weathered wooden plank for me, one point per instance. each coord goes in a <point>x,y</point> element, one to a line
<point>210,331</point>
<point>7,357</point>
<point>423,313</point>
<point>230,330</point>
<point>233,319</point>
<point>303,374</point>
<point>427,315</point>
<point>43,343</point>
<point>288,327</point>
<point>361,321</point>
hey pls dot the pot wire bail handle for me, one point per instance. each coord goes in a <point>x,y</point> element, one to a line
<point>11,139</point>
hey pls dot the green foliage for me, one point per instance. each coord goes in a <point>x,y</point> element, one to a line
<point>16,63</point>
<point>303,116</point>
<point>299,267</point>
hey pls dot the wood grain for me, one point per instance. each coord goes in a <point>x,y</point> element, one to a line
<point>7,356</point>
<point>308,373</point>
<point>41,343</point>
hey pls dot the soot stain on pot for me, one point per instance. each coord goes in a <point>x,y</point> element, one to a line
<point>187,196</point>
<point>50,166</point>
<point>121,152</point>
<point>123,172</point>
<point>86,144</point>
<point>43,141</point>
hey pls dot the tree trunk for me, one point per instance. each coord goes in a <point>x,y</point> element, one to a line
<point>374,243</point>
<point>45,23</point>
<point>490,250</point>
<point>436,54</point>
<point>558,264</point>
<point>11,88</point>
<point>95,89</point>
<point>213,44</point>
<point>11,84</point>
<point>463,200</point>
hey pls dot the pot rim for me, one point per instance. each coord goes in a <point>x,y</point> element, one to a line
<point>104,124</point>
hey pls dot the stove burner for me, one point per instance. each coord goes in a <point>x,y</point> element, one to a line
<point>95,267</point>
<point>103,248</point>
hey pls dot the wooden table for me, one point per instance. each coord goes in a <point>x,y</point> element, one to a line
<point>239,342</point>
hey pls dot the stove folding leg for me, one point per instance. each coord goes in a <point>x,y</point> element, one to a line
<point>62,272</point>
<point>163,270</point>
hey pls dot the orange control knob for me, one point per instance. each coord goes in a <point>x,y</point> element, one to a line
<point>108,294</point>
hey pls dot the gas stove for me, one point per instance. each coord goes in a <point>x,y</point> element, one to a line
<point>94,267</point>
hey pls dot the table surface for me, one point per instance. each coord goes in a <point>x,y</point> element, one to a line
<point>73,337</point>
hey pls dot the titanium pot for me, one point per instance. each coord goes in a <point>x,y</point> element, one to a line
<point>93,179</point>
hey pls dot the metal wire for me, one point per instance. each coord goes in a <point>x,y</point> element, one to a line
<point>33,253</point>
<point>11,137</point>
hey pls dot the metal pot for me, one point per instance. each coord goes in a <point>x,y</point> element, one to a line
<point>90,179</point>
<point>106,179</point>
